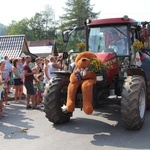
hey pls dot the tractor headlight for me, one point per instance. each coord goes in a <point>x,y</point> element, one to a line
<point>99,78</point>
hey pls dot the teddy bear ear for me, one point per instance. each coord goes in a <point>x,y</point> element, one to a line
<point>77,57</point>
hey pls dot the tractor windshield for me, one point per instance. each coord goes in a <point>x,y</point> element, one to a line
<point>109,39</point>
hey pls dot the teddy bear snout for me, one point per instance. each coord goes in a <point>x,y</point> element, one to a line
<point>83,59</point>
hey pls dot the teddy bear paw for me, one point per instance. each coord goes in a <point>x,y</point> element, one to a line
<point>64,109</point>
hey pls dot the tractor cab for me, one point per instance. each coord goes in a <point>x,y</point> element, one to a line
<point>111,40</point>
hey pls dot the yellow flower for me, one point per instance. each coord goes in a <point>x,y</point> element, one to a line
<point>97,66</point>
<point>81,46</point>
<point>137,45</point>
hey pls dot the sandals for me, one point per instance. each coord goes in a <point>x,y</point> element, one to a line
<point>2,115</point>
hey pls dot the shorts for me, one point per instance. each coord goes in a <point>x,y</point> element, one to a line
<point>30,88</point>
<point>18,82</point>
<point>1,95</point>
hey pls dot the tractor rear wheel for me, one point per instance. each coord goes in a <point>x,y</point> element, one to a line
<point>133,104</point>
<point>55,96</point>
<point>148,95</point>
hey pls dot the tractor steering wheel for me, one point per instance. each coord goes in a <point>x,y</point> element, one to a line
<point>115,47</point>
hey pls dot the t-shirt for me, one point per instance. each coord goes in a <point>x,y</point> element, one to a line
<point>119,47</point>
<point>51,69</point>
<point>19,71</point>
<point>28,78</point>
<point>5,74</point>
<point>41,86</point>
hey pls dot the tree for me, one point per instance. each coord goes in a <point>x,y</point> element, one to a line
<point>49,22</point>
<point>2,29</point>
<point>21,27</point>
<point>36,26</point>
<point>41,25</point>
<point>77,11</point>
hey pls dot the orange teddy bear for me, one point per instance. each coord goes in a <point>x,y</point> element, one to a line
<point>82,76</point>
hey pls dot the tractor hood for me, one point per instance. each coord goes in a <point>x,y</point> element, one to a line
<point>104,57</point>
<point>110,60</point>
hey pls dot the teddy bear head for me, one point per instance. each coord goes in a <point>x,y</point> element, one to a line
<point>84,59</point>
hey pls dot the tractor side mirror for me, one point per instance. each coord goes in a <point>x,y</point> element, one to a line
<point>65,55</point>
<point>148,30</point>
<point>65,36</point>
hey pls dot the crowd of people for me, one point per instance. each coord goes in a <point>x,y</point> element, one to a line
<point>24,72</point>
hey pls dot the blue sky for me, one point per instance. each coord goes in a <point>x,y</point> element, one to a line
<point>18,9</point>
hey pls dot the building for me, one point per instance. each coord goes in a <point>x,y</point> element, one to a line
<point>43,48</point>
<point>14,46</point>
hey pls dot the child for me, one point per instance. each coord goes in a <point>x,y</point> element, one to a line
<point>1,95</point>
<point>40,89</point>
<point>6,77</point>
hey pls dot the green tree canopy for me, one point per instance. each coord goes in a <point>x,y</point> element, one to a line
<point>77,11</point>
<point>41,25</point>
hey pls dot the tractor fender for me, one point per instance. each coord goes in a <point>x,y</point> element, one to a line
<point>62,73</point>
<point>136,71</point>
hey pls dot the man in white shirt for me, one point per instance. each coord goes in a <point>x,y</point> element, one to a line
<point>53,66</point>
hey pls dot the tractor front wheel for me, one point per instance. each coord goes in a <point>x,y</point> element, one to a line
<point>133,104</point>
<point>55,97</point>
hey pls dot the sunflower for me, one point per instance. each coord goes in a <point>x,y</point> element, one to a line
<point>137,45</point>
<point>97,66</point>
<point>81,46</point>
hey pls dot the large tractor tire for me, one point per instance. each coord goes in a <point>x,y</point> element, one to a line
<point>133,104</point>
<point>55,96</point>
<point>148,95</point>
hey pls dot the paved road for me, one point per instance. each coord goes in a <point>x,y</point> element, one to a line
<point>29,130</point>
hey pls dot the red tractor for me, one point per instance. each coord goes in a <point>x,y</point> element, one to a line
<point>126,82</point>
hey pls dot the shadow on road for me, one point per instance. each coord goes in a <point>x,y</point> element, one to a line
<point>17,127</point>
<point>107,129</point>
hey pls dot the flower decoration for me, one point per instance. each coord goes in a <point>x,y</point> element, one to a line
<point>137,45</point>
<point>81,46</point>
<point>97,66</point>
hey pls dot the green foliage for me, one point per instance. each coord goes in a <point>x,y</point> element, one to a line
<point>42,25</point>
<point>77,11</point>
<point>21,27</point>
